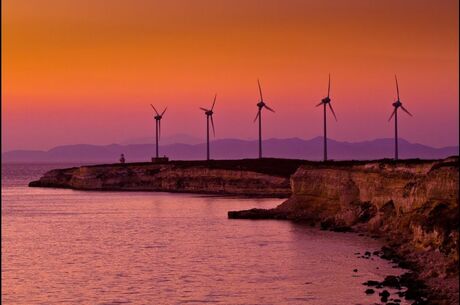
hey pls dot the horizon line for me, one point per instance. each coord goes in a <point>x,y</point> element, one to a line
<point>239,139</point>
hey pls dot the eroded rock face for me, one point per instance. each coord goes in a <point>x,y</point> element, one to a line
<point>418,200</point>
<point>168,178</point>
<point>414,205</point>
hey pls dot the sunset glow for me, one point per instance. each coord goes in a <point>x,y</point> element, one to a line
<point>86,71</point>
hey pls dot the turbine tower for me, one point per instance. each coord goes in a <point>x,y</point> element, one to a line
<point>325,102</point>
<point>157,118</point>
<point>397,105</point>
<point>261,105</point>
<point>209,114</point>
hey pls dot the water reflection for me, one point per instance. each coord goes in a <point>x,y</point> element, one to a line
<point>69,247</point>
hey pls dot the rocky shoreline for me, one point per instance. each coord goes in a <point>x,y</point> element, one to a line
<point>412,206</point>
<point>267,178</point>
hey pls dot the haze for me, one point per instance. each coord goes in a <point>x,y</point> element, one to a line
<point>86,71</point>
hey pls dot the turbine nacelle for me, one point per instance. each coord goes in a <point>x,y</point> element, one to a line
<point>209,113</point>
<point>398,103</point>
<point>327,100</point>
<point>260,104</point>
<point>158,116</point>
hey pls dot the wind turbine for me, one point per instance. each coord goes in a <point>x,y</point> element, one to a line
<point>157,118</point>
<point>325,102</point>
<point>396,105</point>
<point>209,114</point>
<point>261,105</point>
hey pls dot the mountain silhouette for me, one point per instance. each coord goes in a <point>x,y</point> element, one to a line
<point>293,148</point>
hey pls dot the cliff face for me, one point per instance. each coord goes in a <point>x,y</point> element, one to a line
<point>168,178</point>
<point>413,205</point>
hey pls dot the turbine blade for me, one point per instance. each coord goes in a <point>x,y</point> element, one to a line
<point>405,110</point>
<point>213,103</point>
<point>154,109</point>
<point>392,114</point>
<point>329,85</point>
<point>268,108</point>
<point>159,129</point>
<point>260,90</point>
<point>212,124</point>
<point>204,109</point>
<point>319,104</point>
<point>257,115</point>
<point>330,106</point>
<point>164,111</point>
<point>397,86</point>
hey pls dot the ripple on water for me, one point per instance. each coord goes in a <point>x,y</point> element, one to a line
<point>66,247</point>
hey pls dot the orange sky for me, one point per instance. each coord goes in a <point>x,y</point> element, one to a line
<point>86,71</point>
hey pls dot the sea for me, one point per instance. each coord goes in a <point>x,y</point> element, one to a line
<point>63,246</point>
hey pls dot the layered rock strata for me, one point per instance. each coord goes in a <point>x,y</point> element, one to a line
<point>261,178</point>
<point>412,204</point>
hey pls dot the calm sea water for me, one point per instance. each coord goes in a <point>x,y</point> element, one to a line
<point>74,247</point>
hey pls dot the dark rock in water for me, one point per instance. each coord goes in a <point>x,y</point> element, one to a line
<point>415,288</point>
<point>389,254</point>
<point>391,281</point>
<point>367,253</point>
<point>384,293</point>
<point>411,294</point>
<point>342,229</point>
<point>371,283</point>
<point>252,214</point>
<point>405,265</point>
<point>369,291</point>
<point>384,296</point>
<point>376,253</point>
<point>420,302</point>
<point>355,270</point>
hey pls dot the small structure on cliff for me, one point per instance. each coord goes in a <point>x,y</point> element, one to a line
<point>163,159</point>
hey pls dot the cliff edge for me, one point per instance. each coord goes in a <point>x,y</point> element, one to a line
<point>412,204</point>
<point>247,177</point>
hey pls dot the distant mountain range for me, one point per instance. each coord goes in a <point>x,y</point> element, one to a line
<point>165,140</point>
<point>293,148</point>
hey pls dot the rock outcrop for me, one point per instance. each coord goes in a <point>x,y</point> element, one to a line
<point>413,204</point>
<point>264,178</point>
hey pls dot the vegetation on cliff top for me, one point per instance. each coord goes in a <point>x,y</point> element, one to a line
<point>269,166</point>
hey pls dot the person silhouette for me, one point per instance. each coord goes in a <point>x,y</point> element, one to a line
<point>122,158</point>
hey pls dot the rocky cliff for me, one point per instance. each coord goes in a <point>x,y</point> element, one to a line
<point>264,178</point>
<point>413,204</point>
